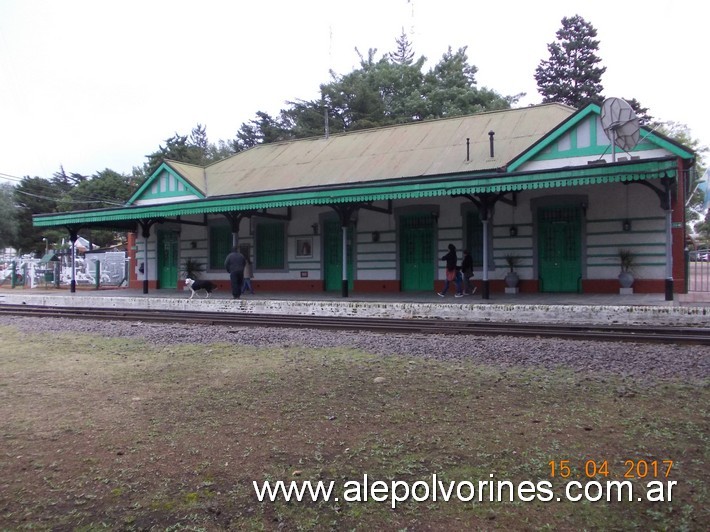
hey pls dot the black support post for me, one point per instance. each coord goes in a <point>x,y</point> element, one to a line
<point>73,236</point>
<point>145,226</point>
<point>345,215</point>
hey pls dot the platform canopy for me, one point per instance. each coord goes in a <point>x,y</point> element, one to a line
<point>373,192</point>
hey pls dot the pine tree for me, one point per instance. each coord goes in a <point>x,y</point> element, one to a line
<point>571,75</point>
<point>381,92</point>
<point>404,55</point>
<point>8,221</point>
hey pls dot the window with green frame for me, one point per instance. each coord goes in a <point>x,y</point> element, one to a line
<point>220,245</point>
<point>270,246</point>
<point>474,237</point>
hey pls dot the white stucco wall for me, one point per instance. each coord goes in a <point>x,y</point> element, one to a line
<point>377,244</point>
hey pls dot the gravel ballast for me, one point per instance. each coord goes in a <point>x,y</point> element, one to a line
<point>635,361</point>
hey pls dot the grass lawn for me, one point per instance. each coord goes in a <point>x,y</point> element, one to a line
<point>120,434</point>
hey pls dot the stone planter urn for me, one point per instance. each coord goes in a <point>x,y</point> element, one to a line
<point>512,280</point>
<point>626,277</point>
<point>626,280</point>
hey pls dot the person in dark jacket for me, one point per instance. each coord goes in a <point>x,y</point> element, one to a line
<point>234,264</point>
<point>467,271</point>
<point>452,273</point>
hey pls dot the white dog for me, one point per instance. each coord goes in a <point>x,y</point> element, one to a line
<point>197,285</point>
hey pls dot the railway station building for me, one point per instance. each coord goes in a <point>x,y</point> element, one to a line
<point>540,189</point>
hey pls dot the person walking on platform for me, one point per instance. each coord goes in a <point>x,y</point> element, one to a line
<point>234,264</point>
<point>452,273</point>
<point>467,271</point>
<point>247,278</point>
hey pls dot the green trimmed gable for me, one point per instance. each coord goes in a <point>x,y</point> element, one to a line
<point>165,185</point>
<point>582,136</point>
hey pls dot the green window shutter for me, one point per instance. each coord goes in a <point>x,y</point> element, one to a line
<point>220,245</point>
<point>270,246</point>
<point>474,237</point>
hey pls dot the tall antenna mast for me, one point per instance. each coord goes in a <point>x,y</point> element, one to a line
<point>330,68</point>
<point>411,29</point>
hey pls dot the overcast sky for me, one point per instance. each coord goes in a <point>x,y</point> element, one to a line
<point>92,84</point>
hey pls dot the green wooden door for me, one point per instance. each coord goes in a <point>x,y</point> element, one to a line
<point>167,259</point>
<point>559,249</point>
<point>417,260</point>
<point>333,256</point>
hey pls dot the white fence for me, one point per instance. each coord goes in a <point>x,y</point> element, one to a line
<point>698,268</point>
<point>103,269</point>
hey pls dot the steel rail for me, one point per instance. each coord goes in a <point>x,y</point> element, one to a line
<point>684,335</point>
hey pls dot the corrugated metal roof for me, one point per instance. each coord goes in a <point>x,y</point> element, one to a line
<point>418,149</point>
<point>194,174</point>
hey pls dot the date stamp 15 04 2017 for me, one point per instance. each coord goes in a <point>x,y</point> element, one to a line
<point>630,469</point>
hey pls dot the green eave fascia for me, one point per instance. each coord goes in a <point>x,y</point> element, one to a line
<point>490,183</point>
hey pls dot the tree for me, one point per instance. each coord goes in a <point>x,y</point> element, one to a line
<point>645,119</point>
<point>262,129</point>
<point>194,148</point>
<point>449,89</point>
<point>64,182</point>
<point>696,219</point>
<point>104,189</point>
<point>198,141</point>
<point>8,221</point>
<point>34,195</point>
<point>219,151</point>
<point>365,97</point>
<point>381,92</point>
<point>702,228</point>
<point>65,192</point>
<point>403,55</point>
<point>176,149</point>
<point>571,75</point>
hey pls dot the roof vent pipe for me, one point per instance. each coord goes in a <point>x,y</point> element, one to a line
<point>468,148</point>
<point>490,136</point>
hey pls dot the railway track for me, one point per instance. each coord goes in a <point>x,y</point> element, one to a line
<point>675,335</point>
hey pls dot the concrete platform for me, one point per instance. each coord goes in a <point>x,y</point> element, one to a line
<point>634,309</point>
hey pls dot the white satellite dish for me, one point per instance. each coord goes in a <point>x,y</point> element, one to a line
<point>620,124</point>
